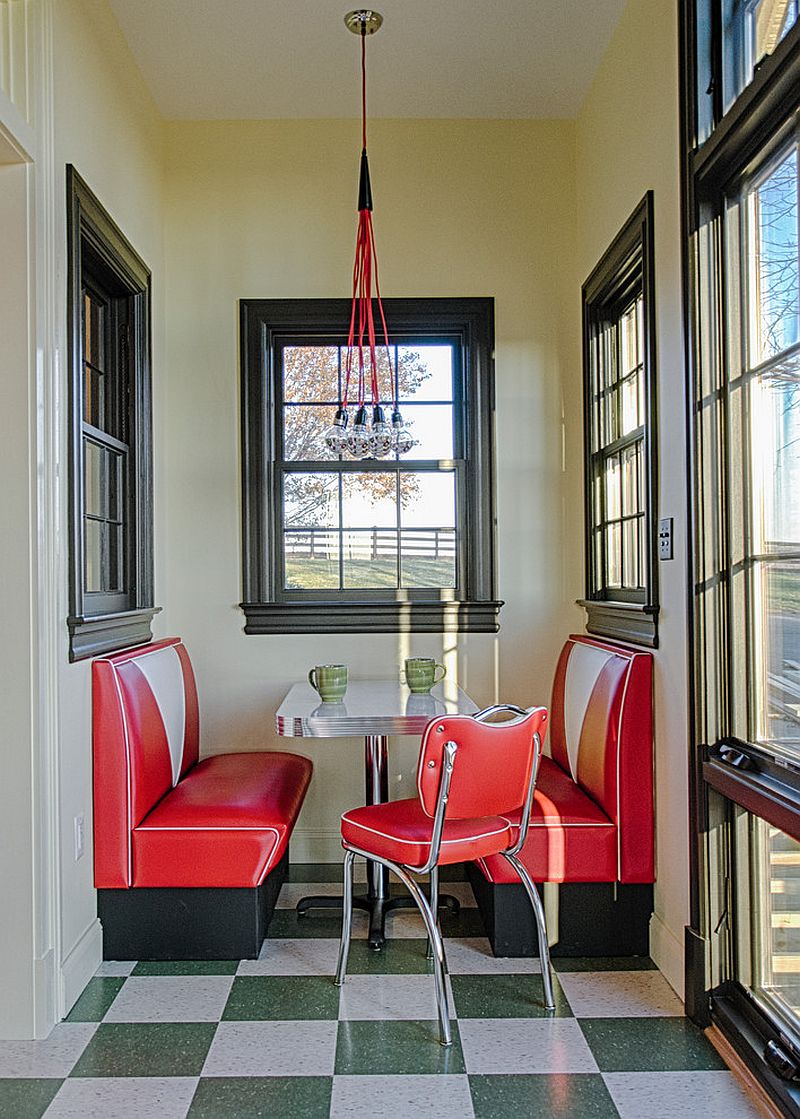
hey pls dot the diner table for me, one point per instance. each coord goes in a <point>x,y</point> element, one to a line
<point>374,709</point>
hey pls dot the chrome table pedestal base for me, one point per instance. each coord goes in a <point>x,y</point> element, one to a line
<point>376,901</point>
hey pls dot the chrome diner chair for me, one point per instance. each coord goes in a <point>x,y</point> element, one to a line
<point>471,775</point>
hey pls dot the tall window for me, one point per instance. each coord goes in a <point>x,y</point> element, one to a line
<point>741,101</point>
<point>111,585</point>
<point>621,598</point>
<point>404,542</point>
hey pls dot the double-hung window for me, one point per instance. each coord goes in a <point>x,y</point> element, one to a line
<point>621,599</point>
<point>404,542</point>
<point>111,569</point>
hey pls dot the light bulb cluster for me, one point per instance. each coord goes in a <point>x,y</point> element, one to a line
<point>368,439</point>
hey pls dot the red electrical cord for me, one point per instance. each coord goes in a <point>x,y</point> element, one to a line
<point>364,268</point>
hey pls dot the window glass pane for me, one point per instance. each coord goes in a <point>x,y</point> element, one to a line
<point>369,500</point>
<point>752,30</point>
<point>311,560</point>
<point>630,553</point>
<point>610,408</point>
<point>93,554</point>
<point>431,425</point>
<point>425,372</point>
<point>304,427</point>
<point>115,555</point>
<point>311,373</point>
<point>428,558</point>
<point>614,555</point>
<point>311,500</point>
<point>428,500</point>
<point>774,255</point>
<point>768,889</point>
<point>95,479</point>
<point>631,498</point>
<point>370,558</point>
<point>612,474</point>
<point>775,405</point>
<point>629,346</point>
<point>777,602</point>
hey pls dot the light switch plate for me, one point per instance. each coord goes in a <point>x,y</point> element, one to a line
<point>665,538</point>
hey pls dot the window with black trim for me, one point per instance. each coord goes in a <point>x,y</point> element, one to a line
<point>619,399</point>
<point>110,482</point>
<point>399,543</point>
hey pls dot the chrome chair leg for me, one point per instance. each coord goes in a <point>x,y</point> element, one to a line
<point>541,926</point>
<point>434,906</point>
<point>347,917</point>
<point>435,939</point>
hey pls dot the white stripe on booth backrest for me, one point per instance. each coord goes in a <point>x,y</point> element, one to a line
<point>164,674</point>
<point>585,664</point>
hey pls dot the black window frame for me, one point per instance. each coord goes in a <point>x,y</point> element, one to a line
<point>723,148</point>
<point>265,325</point>
<point>101,260</point>
<point>625,272</point>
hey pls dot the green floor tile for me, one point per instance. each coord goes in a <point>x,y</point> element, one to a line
<point>467,923</point>
<point>505,996</point>
<point>562,1096</point>
<point>186,967</point>
<point>262,998</point>
<point>97,997</point>
<point>649,1045</point>
<point>262,1097</point>
<point>26,1099</point>
<point>397,957</point>
<point>314,872</point>
<point>603,963</point>
<point>146,1049</point>
<point>395,1049</point>
<point>316,923</point>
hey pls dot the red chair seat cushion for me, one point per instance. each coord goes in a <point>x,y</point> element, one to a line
<point>570,837</point>
<point>226,823</point>
<point>401,831</point>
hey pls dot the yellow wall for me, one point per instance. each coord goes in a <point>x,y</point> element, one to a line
<point>267,209</point>
<point>627,143</point>
<point>107,126</point>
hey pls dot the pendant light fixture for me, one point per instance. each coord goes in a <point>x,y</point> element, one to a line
<point>370,435</point>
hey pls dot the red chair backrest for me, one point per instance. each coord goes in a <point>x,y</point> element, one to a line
<point>492,767</point>
<point>601,733</point>
<point>145,736</point>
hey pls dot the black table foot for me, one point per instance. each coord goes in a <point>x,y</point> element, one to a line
<point>377,909</point>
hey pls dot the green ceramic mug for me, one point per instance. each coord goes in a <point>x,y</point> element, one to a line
<point>330,680</point>
<point>421,674</point>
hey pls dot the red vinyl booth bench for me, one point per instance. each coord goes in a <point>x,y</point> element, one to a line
<point>189,855</point>
<point>592,823</point>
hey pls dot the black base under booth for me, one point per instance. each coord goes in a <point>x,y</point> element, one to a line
<point>181,923</point>
<point>595,918</point>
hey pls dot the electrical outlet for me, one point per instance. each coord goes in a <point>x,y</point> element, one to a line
<point>80,836</point>
<point>665,538</point>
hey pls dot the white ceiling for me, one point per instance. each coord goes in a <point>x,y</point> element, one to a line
<point>250,59</point>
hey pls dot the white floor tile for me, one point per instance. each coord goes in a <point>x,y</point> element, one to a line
<point>388,997</point>
<point>674,1095</point>
<point>171,998</point>
<point>121,1097</point>
<point>272,1049</point>
<point>308,956</point>
<point>620,994</point>
<point>291,892</point>
<point>472,955</point>
<point>387,1097</point>
<point>115,967</point>
<point>55,1056</point>
<point>524,1045</point>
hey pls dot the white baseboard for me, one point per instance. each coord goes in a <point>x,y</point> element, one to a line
<point>316,845</point>
<point>46,990</point>
<point>80,965</point>
<point>666,951</point>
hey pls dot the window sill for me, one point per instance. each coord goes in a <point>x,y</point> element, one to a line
<point>633,622</point>
<point>377,617</point>
<point>107,633</point>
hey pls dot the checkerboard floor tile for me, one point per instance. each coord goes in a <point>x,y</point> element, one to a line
<point>275,1037</point>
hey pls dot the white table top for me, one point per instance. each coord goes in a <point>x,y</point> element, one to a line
<point>369,707</point>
